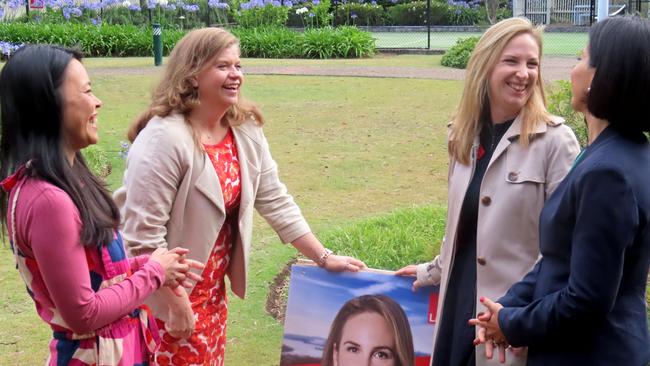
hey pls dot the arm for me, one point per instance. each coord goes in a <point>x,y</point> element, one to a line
<point>135,263</point>
<point>606,219</point>
<point>53,232</point>
<point>154,170</point>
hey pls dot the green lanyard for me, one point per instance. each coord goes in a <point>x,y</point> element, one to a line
<point>578,159</point>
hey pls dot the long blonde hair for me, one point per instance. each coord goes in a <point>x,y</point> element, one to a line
<point>176,94</point>
<point>475,100</point>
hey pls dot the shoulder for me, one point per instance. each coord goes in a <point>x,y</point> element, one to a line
<point>164,137</point>
<point>170,129</point>
<point>42,197</point>
<point>558,133</point>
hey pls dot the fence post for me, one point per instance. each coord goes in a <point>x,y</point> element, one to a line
<point>428,24</point>
<point>157,44</point>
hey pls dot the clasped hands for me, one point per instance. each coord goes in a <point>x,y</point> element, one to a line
<point>177,268</point>
<point>489,332</point>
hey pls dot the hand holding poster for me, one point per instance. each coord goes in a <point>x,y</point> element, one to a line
<point>352,316</point>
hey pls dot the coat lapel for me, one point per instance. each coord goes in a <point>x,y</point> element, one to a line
<point>244,150</point>
<point>208,181</point>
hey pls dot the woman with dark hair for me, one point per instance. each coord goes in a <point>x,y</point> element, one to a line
<point>62,221</point>
<point>370,330</point>
<point>583,303</point>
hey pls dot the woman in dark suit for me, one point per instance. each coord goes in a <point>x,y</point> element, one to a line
<point>583,303</point>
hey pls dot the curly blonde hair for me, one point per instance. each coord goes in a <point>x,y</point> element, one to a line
<point>176,94</point>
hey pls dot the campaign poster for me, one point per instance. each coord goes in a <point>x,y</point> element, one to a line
<point>316,297</point>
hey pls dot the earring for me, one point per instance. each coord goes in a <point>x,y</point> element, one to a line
<point>588,90</point>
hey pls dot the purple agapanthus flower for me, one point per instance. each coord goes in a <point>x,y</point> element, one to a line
<point>288,4</point>
<point>311,15</point>
<point>191,8</point>
<point>151,4</point>
<point>315,2</point>
<point>134,7</point>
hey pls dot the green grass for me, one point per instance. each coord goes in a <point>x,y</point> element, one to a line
<point>403,237</point>
<point>555,44</point>
<point>349,149</point>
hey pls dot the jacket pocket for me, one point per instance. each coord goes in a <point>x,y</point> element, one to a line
<point>525,168</point>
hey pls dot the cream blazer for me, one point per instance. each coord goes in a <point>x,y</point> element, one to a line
<point>517,182</point>
<point>171,196</point>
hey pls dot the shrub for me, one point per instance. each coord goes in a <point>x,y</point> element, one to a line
<point>458,55</point>
<point>359,14</point>
<point>413,13</point>
<point>337,42</point>
<point>461,15</point>
<point>310,14</point>
<point>256,14</point>
<point>559,104</point>
<point>280,42</point>
<point>104,40</point>
<point>97,160</point>
<point>269,42</point>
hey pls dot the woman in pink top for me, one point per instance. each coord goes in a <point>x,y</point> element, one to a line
<point>62,221</point>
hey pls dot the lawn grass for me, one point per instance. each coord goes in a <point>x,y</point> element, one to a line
<point>555,43</point>
<point>348,149</point>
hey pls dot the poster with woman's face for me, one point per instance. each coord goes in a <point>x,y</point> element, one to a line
<point>352,319</point>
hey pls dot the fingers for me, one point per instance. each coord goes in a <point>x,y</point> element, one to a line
<point>180,251</point>
<point>410,270</point>
<point>356,262</point>
<point>416,285</point>
<point>178,291</point>
<point>489,350</point>
<point>194,264</point>
<point>502,353</point>
<point>491,305</point>
<point>194,277</point>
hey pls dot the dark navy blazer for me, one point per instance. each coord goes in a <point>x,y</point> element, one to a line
<point>584,301</point>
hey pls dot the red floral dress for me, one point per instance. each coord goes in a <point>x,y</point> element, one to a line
<point>206,346</point>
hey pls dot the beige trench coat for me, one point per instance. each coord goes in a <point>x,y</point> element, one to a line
<point>171,197</point>
<point>517,182</point>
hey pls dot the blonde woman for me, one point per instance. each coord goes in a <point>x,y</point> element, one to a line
<point>198,166</point>
<point>507,155</point>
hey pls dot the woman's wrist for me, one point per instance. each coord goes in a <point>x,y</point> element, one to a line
<point>322,258</point>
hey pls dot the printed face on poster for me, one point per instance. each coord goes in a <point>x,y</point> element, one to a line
<point>348,319</point>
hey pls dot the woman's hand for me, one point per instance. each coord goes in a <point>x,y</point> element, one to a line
<point>488,330</point>
<point>177,268</point>
<point>410,271</point>
<point>340,263</point>
<point>180,321</point>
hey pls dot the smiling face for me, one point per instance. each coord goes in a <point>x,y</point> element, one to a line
<point>366,340</point>
<point>80,106</point>
<point>219,82</point>
<point>581,76</point>
<point>513,77</point>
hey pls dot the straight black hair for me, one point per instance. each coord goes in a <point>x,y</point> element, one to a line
<point>31,118</point>
<point>619,50</point>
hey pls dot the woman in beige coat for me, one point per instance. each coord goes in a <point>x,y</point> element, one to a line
<point>507,155</point>
<point>198,166</point>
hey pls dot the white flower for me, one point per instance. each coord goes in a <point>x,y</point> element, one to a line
<point>302,10</point>
<point>126,3</point>
<point>162,2</point>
